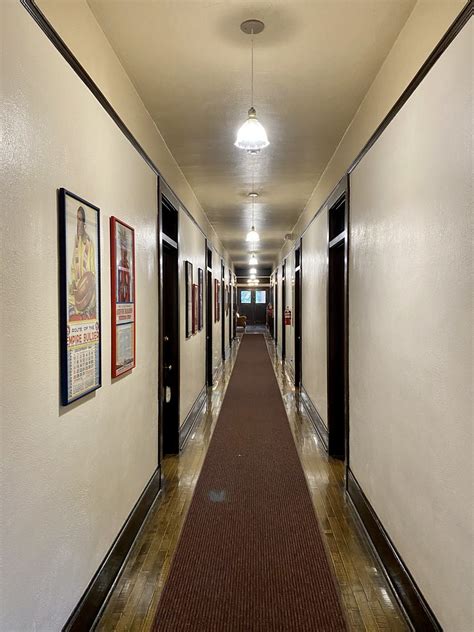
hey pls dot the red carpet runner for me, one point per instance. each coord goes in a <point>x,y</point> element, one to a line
<point>250,556</point>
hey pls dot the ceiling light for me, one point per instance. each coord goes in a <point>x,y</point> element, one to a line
<point>253,277</point>
<point>253,194</point>
<point>252,135</point>
<point>257,281</point>
<point>253,261</point>
<point>253,270</point>
<point>252,235</point>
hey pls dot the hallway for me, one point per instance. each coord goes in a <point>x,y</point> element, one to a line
<point>367,601</point>
<point>236,369</point>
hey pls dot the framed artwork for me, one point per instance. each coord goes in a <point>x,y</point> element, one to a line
<point>79,297</point>
<point>188,269</point>
<point>200,298</point>
<point>226,300</point>
<point>122,284</point>
<point>195,308</point>
<point>216,301</point>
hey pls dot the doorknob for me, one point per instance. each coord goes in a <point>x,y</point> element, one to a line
<point>165,339</point>
<point>168,368</point>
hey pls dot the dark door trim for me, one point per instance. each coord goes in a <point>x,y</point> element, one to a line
<point>164,192</point>
<point>209,320</point>
<point>338,416</point>
<point>298,313</point>
<point>283,307</point>
<point>222,310</point>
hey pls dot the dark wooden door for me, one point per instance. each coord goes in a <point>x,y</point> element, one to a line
<point>170,346</point>
<point>297,318</point>
<point>209,322</point>
<point>336,334</point>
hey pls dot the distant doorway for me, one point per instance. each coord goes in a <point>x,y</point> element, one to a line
<point>209,320</point>
<point>283,308</point>
<point>336,335</point>
<point>169,343</point>
<point>297,317</point>
<point>253,305</point>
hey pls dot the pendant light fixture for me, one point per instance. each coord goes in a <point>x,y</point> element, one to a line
<point>253,271</point>
<point>252,135</point>
<point>252,235</point>
<point>253,261</point>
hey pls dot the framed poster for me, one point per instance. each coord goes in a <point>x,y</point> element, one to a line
<point>195,308</point>
<point>216,300</point>
<point>122,284</point>
<point>188,268</point>
<point>79,297</point>
<point>200,298</point>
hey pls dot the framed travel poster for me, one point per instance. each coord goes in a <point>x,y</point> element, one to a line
<point>188,268</point>
<point>195,308</point>
<point>79,297</point>
<point>200,298</point>
<point>122,284</point>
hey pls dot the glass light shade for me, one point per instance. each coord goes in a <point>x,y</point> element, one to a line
<point>252,135</point>
<point>253,270</point>
<point>257,281</point>
<point>253,261</point>
<point>252,235</point>
<point>253,277</point>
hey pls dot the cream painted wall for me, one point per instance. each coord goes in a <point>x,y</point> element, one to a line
<point>426,25</point>
<point>192,350</point>
<point>70,476</point>
<point>76,24</point>
<point>313,313</point>
<point>410,334</point>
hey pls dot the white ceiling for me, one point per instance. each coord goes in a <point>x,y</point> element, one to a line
<point>190,63</point>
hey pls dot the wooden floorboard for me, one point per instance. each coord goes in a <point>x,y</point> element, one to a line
<point>367,598</point>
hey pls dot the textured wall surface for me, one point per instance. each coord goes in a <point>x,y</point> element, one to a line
<point>70,476</point>
<point>314,312</point>
<point>411,333</point>
<point>192,350</point>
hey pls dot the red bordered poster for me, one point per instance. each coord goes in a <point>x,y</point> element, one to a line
<point>122,270</point>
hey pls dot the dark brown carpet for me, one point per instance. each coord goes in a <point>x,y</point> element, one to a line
<point>250,556</point>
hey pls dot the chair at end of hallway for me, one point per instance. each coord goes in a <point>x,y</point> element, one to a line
<point>242,321</point>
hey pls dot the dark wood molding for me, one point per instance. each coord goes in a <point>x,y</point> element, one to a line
<point>188,425</point>
<point>54,37</point>
<point>315,417</point>
<point>404,586</point>
<point>454,30</point>
<point>94,598</point>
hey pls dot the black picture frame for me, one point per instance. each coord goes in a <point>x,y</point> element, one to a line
<point>188,273</point>
<point>200,298</point>
<point>80,323</point>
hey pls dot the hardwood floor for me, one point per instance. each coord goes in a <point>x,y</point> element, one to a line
<point>366,596</point>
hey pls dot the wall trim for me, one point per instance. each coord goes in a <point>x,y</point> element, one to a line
<point>188,425</point>
<point>95,596</point>
<point>60,45</point>
<point>454,30</point>
<point>409,596</point>
<point>315,417</point>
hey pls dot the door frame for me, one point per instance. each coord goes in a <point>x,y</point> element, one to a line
<point>163,190</point>
<point>209,319</point>
<point>340,192</point>
<point>298,314</point>
<point>283,307</point>
<point>222,306</point>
